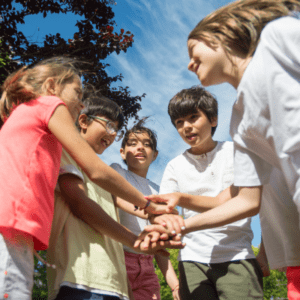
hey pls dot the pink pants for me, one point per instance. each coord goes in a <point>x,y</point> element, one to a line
<point>293,277</point>
<point>141,274</point>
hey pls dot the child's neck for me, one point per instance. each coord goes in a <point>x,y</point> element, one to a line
<point>137,171</point>
<point>209,146</point>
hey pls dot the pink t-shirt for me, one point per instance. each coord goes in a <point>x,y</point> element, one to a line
<point>29,164</point>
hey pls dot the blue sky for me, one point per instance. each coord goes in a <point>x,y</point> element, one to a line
<point>155,65</point>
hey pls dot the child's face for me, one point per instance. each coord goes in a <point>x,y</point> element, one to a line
<point>195,130</point>
<point>209,62</point>
<point>138,152</point>
<point>71,94</point>
<point>94,132</point>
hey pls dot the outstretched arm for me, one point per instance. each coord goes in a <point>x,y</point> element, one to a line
<point>129,208</point>
<point>72,189</point>
<point>62,126</point>
<point>245,204</point>
<point>195,202</point>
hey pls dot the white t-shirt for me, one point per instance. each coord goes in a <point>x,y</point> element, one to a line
<point>146,187</point>
<point>265,124</point>
<point>279,223</point>
<point>208,175</point>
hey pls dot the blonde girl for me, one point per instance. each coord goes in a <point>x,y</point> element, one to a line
<point>254,45</point>
<point>39,106</point>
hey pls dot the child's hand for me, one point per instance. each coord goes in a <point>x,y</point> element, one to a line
<point>153,236</point>
<point>158,209</point>
<point>172,200</point>
<point>263,263</point>
<point>172,222</point>
<point>175,293</point>
<point>149,243</point>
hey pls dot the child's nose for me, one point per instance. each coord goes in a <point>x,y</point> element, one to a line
<point>186,125</point>
<point>190,65</point>
<point>140,146</point>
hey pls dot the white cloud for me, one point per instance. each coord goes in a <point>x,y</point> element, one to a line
<point>157,65</point>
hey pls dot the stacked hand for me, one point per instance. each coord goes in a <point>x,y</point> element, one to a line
<point>170,200</point>
<point>155,242</point>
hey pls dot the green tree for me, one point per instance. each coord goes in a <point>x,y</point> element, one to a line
<point>92,41</point>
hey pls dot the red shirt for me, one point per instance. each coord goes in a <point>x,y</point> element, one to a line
<point>29,165</point>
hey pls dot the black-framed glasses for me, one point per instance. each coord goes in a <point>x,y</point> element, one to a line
<point>110,127</point>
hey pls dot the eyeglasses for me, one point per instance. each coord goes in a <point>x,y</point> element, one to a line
<point>110,127</point>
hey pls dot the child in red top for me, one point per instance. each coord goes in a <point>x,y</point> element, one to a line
<point>40,106</point>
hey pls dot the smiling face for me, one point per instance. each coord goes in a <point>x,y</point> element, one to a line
<point>138,153</point>
<point>94,132</point>
<point>195,130</point>
<point>209,62</point>
<point>71,95</point>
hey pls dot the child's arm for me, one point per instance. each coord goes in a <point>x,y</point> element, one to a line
<point>72,189</point>
<point>62,126</point>
<point>129,208</point>
<point>263,260</point>
<point>167,270</point>
<point>195,202</point>
<point>245,204</point>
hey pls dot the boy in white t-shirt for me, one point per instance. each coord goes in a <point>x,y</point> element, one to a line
<point>138,151</point>
<point>216,263</point>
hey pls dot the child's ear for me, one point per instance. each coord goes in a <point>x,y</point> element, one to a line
<point>83,121</point>
<point>49,87</point>
<point>214,122</point>
<point>155,155</point>
<point>122,152</point>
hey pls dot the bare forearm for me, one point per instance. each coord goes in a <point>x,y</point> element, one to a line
<point>92,214</point>
<point>245,204</point>
<point>129,208</point>
<point>167,270</point>
<point>204,203</point>
<point>111,181</point>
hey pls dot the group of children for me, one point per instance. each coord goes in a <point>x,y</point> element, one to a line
<point>98,253</point>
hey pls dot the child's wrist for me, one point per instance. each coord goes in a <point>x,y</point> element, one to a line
<point>147,204</point>
<point>175,288</point>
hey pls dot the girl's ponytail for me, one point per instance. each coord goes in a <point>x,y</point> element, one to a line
<point>15,90</point>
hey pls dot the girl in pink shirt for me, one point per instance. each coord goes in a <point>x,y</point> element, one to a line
<point>39,106</point>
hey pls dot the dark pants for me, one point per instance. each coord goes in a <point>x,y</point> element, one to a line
<point>234,280</point>
<point>67,293</point>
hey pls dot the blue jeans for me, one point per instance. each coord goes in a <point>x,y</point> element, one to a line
<point>67,293</point>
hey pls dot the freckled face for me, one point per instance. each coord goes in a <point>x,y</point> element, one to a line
<point>209,62</point>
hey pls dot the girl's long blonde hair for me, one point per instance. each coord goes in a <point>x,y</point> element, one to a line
<point>238,25</point>
<point>29,83</point>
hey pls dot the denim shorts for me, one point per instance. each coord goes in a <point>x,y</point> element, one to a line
<point>68,293</point>
<point>16,268</point>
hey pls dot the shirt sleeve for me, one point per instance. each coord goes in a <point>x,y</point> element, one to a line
<point>119,169</point>
<point>280,46</point>
<point>50,103</point>
<point>169,182</point>
<point>68,166</point>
